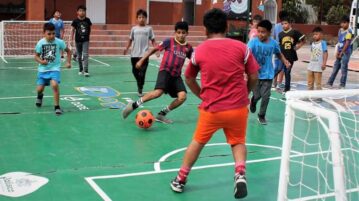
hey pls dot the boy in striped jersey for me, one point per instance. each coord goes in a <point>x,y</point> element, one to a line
<point>169,76</point>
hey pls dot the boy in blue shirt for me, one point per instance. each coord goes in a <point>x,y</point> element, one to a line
<point>48,56</point>
<point>59,26</point>
<point>344,51</point>
<point>263,47</point>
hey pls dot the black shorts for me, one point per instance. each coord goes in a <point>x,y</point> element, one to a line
<point>170,84</point>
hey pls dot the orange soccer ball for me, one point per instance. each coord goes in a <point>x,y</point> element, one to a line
<point>144,119</point>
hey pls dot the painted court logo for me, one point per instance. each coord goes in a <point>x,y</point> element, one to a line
<point>106,96</point>
<point>17,184</point>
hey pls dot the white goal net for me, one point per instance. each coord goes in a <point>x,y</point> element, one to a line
<point>320,154</point>
<point>18,38</point>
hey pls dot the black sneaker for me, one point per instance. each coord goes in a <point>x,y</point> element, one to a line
<point>177,186</point>
<point>252,106</point>
<point>58,111</point>
<point>240,186</point>
<point>262,120</point>
<point>38,102</point>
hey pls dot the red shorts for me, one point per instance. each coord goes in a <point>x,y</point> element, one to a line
<point>233,123</point>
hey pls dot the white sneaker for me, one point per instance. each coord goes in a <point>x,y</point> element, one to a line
<point>163,119</point>
<point>81,73</point>
<point>87,74</point>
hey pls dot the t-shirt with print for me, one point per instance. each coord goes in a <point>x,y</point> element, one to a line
<point>174,56</point>
<point>263,52</point>
<point>50,51</point>
<point>59,25</point>
<point>287,42</point>
<point>223,64</point>
<point>317,50</point>
<point>83,29</point>
<point>140,36</point>
<point>343,36</point>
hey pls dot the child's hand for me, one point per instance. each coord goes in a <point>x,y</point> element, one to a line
<point>44,62</point>
<point>287,64</point>
<point>158,54</point>
<point>125,52</point>
<point>139,64</point>
<point>323,67</point>
<point>68,65</point>
<point>339,55</point>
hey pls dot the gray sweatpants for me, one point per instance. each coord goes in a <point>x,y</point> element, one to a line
<point>82,49</point>
<point>262,90</point>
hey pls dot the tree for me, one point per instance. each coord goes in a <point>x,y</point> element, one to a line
<point>296,12</point>
<point>336,13</point>
<point>323,6</point>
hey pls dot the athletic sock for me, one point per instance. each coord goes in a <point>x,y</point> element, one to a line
<point>57,107</point>
<point>240,167</point>
<point>137,103</point>
<point>164,111</point>
<point>183,173</point>
<point>40,95</point>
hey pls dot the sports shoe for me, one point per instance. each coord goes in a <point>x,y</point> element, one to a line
<point>252,106</point>
<point>177,186</point>
<point>240,186</point>
<point>87,74</point>
<point>281,86</point>
<point>127,111</point>
<point>58,111</point>
<point>341,87</point>
<point>161,118</point>
<point>38,102</point>
<point>262,120</point>
<point>140,94</point>
<point>81,73</point>
<point>329,86</point>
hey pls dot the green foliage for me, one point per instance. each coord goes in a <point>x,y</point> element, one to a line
<point>296,12</point>
<point>323,6</point>
<point>336,13</point>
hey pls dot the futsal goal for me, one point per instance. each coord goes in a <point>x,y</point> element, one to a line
<point>320,152</point>
<point>18,38</point>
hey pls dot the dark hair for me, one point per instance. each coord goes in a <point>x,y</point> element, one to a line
<point>181,25</point>
<point>258,18</point>
<point>286,19</point>
<point>55,12</point>
<point>345,18</point>
<point>317,29</point>
<point>141,12</point>
<point>282,15</point>
<point>265,24</point>
<point>215,21</point>
<point>49,27</point>
<point>81,7</point>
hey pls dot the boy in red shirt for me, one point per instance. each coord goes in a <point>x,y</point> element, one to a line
<point>224,94</point>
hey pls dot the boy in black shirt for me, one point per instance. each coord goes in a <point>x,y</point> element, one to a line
<point>81,28</point>
<point>290,41</point>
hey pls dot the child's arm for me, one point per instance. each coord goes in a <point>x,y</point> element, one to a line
<point>39,60</point>
<point>346,45</point>
<point>284,60</point>
<point>72,34</point>
<point>153,41</point>
<point>127,47</point>
<point>300,44</point>
<point>325,58</point>
<point>146,56</point>
<point>194,86</point>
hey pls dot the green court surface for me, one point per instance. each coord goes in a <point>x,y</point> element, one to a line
<point>90,153</point>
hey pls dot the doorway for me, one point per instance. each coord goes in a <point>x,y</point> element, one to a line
<point>189,11</point>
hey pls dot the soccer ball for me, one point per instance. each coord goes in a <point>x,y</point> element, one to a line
<point>144,119</point>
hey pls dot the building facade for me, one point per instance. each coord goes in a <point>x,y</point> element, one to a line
<point>161,12</point>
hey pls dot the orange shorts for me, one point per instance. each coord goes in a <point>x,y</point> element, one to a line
<point>233,123</point>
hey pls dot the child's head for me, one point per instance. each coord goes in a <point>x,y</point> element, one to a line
<point>256,19</point>
<point>215,21</point>
<point>181,31</point>
<point>81,11</point>
<point>49,31</point>
<point>282,15</point>
<point>57,14</point>
<point>141,16</point>
<point>344,22</point>
<point>317,33</point>
<point>286,24</point>
<point>264,29</point>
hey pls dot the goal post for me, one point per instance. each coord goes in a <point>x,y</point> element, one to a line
<point>338,169</point>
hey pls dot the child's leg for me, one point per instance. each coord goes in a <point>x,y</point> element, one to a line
<point>255,98</point>
<point>287,75</point>
<point>79,55</point>
<point>335,71</point>
<point>40,94</point>
<point>56,90</point>
<point>344,69</point>
<point>136,73</point>
<point>142,75</point>
<point>280,77</point>
<point>265,94</point>
<point>311,78</point>
<point>318,80</point>
<point>85,55</point>
<point>181,98</point>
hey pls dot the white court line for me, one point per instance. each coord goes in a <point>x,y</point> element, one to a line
<point>61,96</point>
<point>106,64</point>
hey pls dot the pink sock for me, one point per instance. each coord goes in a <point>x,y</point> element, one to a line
<point>183,173</point>
<point>240,167</point>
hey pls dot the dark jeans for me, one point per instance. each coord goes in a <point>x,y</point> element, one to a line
<point>341,64</point>
<point>140,74</point>
<point>262,90</point>
<point>82,49</point>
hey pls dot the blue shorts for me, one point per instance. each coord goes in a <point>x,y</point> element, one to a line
<point>278,66</point>
<point>44,78</point>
